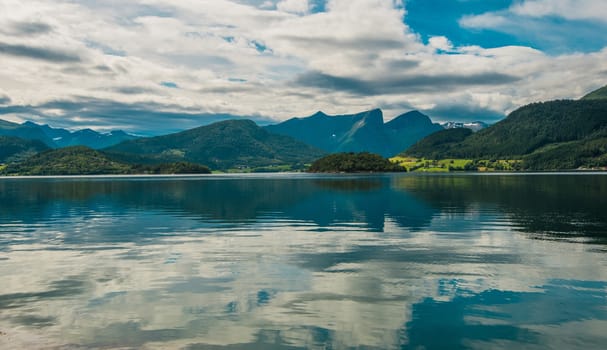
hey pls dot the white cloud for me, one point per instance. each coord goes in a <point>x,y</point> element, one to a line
<point>485,20</point>
<point>185,282</point>
<point>569,9</point>
<point>267,5</point>
<point>440,43</point>
<point>294,6</point>
<point>245,59</point>
<point>535,20</point>
<point>593,10</point>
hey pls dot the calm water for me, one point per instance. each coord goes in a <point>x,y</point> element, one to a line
<point>304,262</point>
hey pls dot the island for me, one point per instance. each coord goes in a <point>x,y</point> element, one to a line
<point>363,162</point>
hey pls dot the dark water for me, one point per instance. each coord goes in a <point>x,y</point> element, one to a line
<point>304,262</point>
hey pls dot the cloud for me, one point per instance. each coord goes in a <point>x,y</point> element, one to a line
<point>400,84</point>
<point>140,118</point>
<point>490,20</point>
<point>293,6</point>
<point>39,53</point>
<point>463,113</point>
<point>133,90</point>
<point>440,43</point>
<point>4,100</point>
<point>27,28</point>
<point>594,10</point>
<point>255,58</point>
<point>556,26</point>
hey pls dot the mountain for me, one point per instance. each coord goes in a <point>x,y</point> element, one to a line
<point>56,137</point>
<point>14,149</point>
<point>408,128</point>
<point>600,94</point>
<point>362,132</point>
<point>438,145</point>
<point>26,131</point>
<point>81,160</point>
<point>329,133</point>
<point>552,135</point>
<point>94,139</point>
<point>222,145</point>
<point>474,126</point>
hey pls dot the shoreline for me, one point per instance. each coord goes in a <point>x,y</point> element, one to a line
<point>304,174</point>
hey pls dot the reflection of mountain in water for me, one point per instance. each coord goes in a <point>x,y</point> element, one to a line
<point>548,206</point>
<point>269,284</point>
<point>323,201</point>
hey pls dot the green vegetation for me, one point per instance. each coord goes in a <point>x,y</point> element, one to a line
<point>600,94</point>
<point>14,149</point>
<point>451,165</point>
<point>354,163</point>
<point>589,153</point>
<point>80,160</point>
<point>438,144</point>
<point>77,160</point>
<point>553,135</point>
<point>232,144</point>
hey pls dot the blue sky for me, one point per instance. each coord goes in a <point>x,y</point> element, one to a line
<point>157,66</point>
<point>441,18</point>
<point>552,33</point>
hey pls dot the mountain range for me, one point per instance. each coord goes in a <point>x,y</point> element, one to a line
<point>552,135</point>
<point>236,143</point>
<point>364,131</point>
<point>222,145</point>
<point>57,137</point>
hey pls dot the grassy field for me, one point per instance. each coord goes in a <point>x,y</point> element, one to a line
<point>449,165</point>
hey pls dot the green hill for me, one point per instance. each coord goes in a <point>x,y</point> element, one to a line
<point>14,148</point>
<point>353,163</point>
<point>438,144</point>
<point>546,136</point>
<point>222,145</point>
<point>600,94</point>
<point>78,160</point>
<point>81,160</point>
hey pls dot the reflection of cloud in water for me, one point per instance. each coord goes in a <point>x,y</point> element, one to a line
<point>352,266</point>
<point>234,288</point>
<point>494,315</point>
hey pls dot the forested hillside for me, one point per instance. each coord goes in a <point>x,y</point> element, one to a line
<point>563,134</point>
<point>81,160</point>
<point>15,149</point>
<point>222,145</point>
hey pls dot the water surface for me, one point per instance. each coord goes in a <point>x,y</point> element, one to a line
<point>304,262</point>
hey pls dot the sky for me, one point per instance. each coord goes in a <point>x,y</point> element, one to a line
<point>158,66</point>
